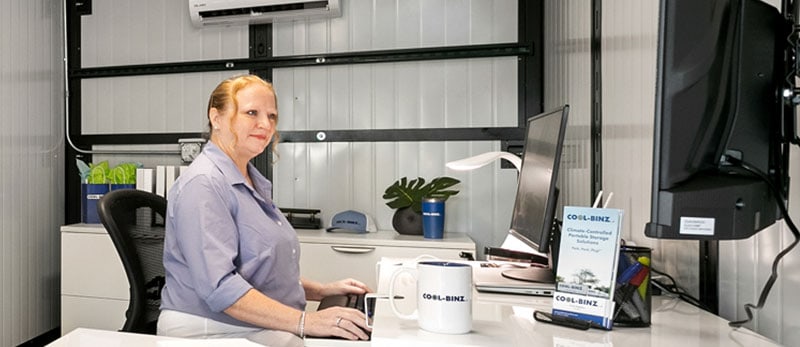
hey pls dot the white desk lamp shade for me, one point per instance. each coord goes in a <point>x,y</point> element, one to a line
<point>480,160</point>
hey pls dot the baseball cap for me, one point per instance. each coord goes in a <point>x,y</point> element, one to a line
<point>352,221</point>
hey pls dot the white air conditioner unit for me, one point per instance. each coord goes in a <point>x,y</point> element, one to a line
<point>230,12</point>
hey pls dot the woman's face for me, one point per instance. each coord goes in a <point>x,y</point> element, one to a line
<point>253,123</point>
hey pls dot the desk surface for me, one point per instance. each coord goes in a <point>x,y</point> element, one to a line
<point>507,320</point>
<point>82,337</point>
<point>674,323</point>
<point>498,320</point>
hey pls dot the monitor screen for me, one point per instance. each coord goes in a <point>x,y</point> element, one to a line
<point>537,192</point>
<point>717,104</point>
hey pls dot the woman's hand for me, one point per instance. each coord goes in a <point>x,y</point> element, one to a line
<point>316,291</point>
<point>345,286</point>
<point>337,321</point>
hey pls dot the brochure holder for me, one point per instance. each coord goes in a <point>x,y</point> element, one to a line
<point>587,265</point>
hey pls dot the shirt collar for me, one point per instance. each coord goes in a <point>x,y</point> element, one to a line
<point>225,164</point>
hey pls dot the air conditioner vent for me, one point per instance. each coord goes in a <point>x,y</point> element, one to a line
<point>259,10</point>
<point>243,12</point>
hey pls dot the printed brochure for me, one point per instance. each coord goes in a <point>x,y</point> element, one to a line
<point>587,265</point>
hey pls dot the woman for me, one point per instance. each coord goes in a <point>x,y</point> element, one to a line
<point>231,257</point>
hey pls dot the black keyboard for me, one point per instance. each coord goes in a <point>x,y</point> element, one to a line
<point>355,301</point>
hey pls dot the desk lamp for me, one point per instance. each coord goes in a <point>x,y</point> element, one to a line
<point>484,159</point>
<point>481,160</point>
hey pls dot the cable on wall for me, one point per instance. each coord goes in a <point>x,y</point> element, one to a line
<point>66,106</point>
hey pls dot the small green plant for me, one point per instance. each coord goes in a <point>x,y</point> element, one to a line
<point>404,193</point>
<point>101,173</point>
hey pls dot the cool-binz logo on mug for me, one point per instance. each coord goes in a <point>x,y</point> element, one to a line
<point>448,298</point>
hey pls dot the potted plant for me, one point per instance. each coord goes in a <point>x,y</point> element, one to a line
<point>406,198</point>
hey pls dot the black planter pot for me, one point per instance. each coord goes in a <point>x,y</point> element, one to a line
<point>407,222</point>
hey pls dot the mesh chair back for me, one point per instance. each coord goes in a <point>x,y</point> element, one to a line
<point>135,221</point>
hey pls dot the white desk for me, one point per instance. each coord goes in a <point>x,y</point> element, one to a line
<point>94,288</point>
<point>506,320</point>
<point>499,320</point>
<point>83,337</point>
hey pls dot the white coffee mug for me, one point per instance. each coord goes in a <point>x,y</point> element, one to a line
<point>444,296</point>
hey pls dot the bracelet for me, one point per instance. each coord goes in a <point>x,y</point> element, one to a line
<point>301,325</point>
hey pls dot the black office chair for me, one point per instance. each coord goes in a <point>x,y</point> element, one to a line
<point>135,221</point>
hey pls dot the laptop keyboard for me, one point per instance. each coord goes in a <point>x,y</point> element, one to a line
<point>355,301</point>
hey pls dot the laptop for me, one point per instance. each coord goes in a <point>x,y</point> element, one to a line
<point>491,280</point>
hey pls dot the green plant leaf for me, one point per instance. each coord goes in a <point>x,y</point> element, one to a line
<point>404,193</point>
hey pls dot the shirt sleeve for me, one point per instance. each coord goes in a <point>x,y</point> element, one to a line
<point>208,238</point>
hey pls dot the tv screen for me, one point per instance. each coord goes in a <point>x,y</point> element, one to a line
<point>717,104</point>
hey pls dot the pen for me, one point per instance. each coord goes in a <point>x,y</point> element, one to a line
<point>643,287</point>
<point>629,283</point>
<point>575,323</point>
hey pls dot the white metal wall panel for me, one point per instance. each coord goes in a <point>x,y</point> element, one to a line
<point>148,104</point>
<point>567,80</point>
<point>452,93</point>
<point>473,92</point>
<point>477,92</point>
<point>31,168</point>
<point>339,176</point>
<point>125,32</point>
<point>628,55</point>
<point>629,68</point>
<point>393,24</point>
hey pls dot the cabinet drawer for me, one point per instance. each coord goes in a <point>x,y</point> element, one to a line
<point>94,313</point>
<point>91,267</point>
<point>331,262</point>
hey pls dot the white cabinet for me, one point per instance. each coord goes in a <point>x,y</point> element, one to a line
<point>94,289</point>
<point>328,256</point>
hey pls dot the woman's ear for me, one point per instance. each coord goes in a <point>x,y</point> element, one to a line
<point>215,117</point>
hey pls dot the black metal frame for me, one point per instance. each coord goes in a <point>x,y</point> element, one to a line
<point>596,99</point>
<point>261,62</point>
<point>269,62</point>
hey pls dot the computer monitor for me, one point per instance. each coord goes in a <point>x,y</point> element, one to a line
<point>537,194</point>
<point>719,73</point>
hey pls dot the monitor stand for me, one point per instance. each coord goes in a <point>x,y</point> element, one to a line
<point>531,274</point>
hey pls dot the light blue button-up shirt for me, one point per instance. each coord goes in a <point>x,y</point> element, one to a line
<point>224,237</point>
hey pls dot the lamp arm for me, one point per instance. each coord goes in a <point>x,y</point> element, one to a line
<point>483,159</point>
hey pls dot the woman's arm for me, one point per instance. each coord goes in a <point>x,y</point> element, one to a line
<point>260,310</point>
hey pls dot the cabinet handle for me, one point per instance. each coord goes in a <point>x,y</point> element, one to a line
<point>353,250</point>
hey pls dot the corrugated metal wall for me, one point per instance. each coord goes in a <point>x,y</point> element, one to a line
<point>567,80</point>
<point>453,93</point>
<point>164,33</point>
<point>332,176</point>
<point>630,39</point>
<point>31,167</point>
<point>475,92</point>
